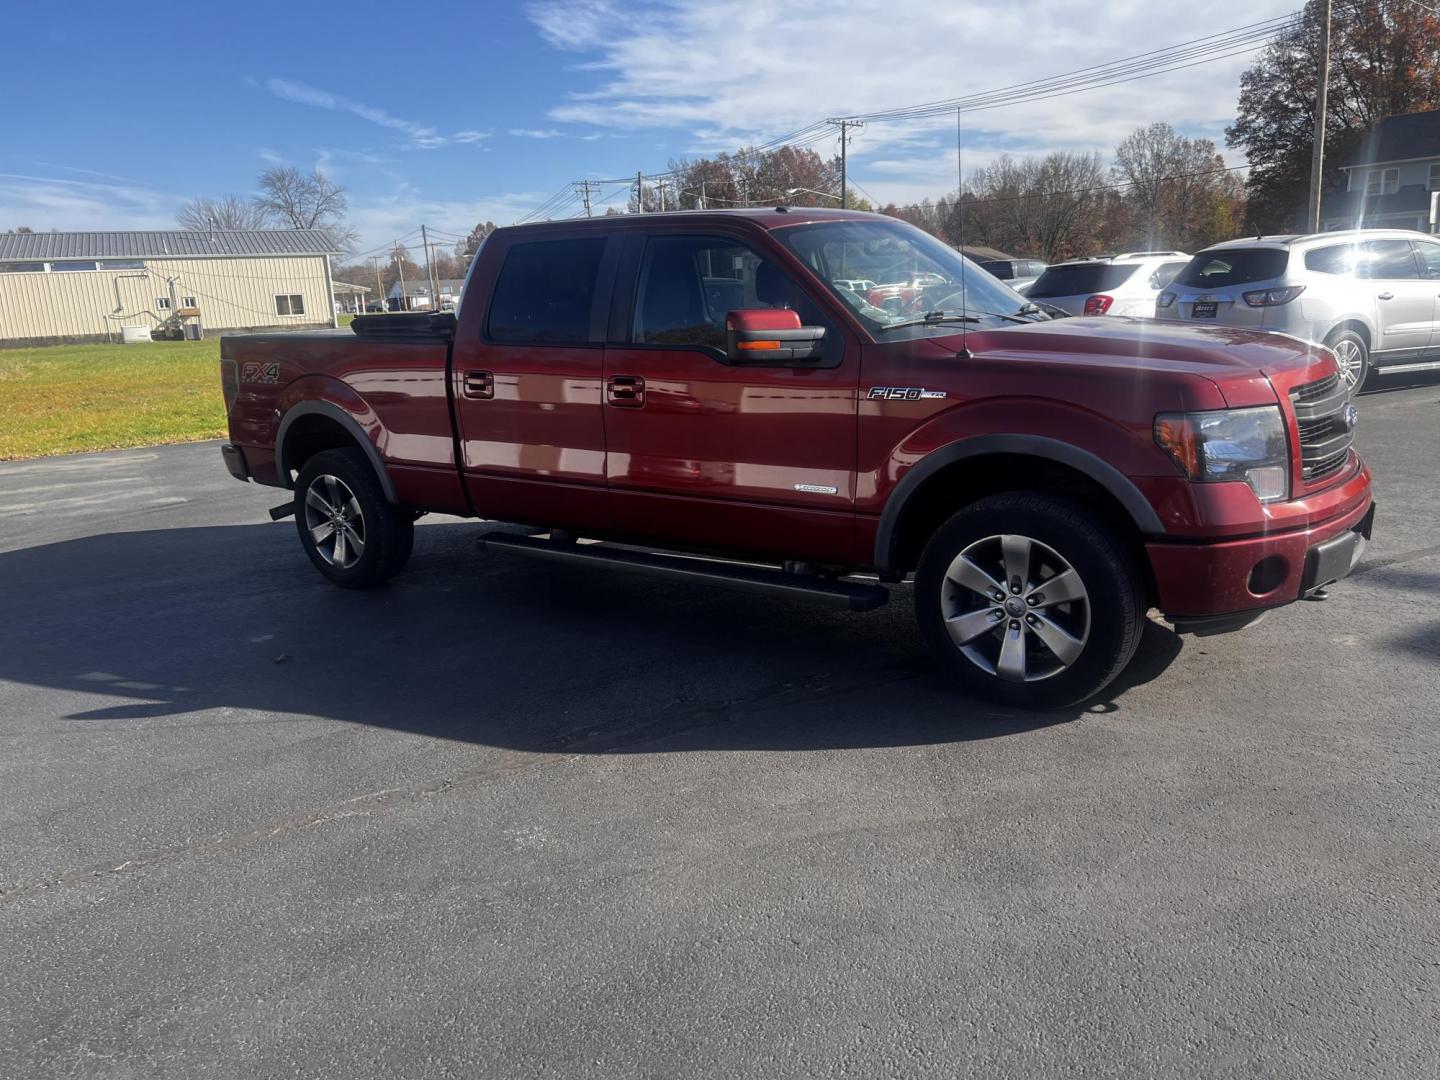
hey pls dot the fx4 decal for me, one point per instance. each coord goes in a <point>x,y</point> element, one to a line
<point>902,393</point>
<point>260,373</point>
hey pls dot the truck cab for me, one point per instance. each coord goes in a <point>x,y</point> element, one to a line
<point>710,383</point>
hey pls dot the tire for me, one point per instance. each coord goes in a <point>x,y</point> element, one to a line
<point>384,534</point>
<point>1094,632</point>
<point>1349,348</point>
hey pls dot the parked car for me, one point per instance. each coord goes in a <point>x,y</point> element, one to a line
<point>860,286</point>
<point>1372,295</point>
<point>1124,284</point>
<point>905,295</point>
<point>1046,482</point>
<point>1017,273</point>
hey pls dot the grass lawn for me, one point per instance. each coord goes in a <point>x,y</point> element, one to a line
<point>66,398</point>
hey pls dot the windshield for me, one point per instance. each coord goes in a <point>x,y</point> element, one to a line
<point>909,272</point>
<point>1080,279</point>
<point>1236,266</point>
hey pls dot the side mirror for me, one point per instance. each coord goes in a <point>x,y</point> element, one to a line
<point>769,336</point>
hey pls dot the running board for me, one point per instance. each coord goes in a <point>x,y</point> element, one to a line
<point>858,596</point>
<point>1407,369</point>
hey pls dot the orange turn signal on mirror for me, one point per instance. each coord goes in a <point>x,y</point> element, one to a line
<point>746,346</point>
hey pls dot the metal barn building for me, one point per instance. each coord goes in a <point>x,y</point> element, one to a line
<point>87,286</point>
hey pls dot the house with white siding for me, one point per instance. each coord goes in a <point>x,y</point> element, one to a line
<point>88,286</point>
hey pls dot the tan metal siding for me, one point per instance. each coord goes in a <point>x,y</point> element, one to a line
<point>232,294</point>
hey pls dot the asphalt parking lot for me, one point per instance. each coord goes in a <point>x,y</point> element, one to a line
<point>506,819</point>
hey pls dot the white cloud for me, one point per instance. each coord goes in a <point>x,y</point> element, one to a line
<point>47,202</point>
<point>380,220</point>
<point>725,75</point>
<point>537,133</point>
<point>422,136</point>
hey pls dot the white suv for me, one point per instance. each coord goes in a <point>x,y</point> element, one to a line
<point>1371,295</point>
<point>1124,284</point>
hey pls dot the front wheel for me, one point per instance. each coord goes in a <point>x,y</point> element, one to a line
<point>1029,600</point>
<point>351,533</point>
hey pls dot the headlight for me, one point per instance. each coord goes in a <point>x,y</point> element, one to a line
<point>1230,444</point>
<point>1165,299</point>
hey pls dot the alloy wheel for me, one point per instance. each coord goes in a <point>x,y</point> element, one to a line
<point>1016,608</point>
<point>336,525</point>
<point>1352,361</point>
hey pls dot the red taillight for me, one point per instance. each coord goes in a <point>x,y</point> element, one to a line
<point>1098,304</point>
<point>1273,297</point>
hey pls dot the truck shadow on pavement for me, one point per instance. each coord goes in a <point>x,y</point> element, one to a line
<point>481,648</point>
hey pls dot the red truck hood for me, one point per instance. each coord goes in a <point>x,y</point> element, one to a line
<point>1239,362</point>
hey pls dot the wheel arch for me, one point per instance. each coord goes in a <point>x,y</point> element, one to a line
<point>312,426</point>
<point>947,479</point>
<point>1358,326</point>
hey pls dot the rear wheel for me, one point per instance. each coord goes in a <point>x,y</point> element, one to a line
<point>1029,600</point>
<point>1349,348</point>
<point>352,535</point>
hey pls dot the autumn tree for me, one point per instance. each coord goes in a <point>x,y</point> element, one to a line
<point>305,201</point>
<point>228,212</point>
<point>1174,191</point>
<point>1384,61</point>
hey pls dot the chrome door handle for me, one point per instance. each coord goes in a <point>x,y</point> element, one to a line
<point>1387,296</point>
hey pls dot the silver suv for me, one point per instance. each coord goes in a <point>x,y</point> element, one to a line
<point>1124,284</point>
<point>1370,295</point>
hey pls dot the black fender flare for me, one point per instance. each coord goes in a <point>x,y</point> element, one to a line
<point>346,421</point>
<point>1038,446</point>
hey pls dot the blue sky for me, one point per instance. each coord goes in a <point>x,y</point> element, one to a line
<point>449,114</point>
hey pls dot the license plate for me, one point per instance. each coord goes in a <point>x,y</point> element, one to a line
<point>1203,309</point>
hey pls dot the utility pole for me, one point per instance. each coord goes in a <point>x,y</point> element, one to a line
<point>639,192</point>
<point>702,196</point>
<point>400,272</point>
<point>661,186</point>
<point>582,188</point>
<point>379,285</point>
<point>1317,154</point>
<point>845,126</point>
<point>430,272</point>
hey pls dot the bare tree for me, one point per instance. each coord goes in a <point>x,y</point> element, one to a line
<point>227,212</point>
<point>305,201</point>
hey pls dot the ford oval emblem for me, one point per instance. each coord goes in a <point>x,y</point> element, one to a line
<point>1352,417</point>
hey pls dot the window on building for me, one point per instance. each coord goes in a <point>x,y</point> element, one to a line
<point>22,268</point>
<point>1382,181</point>
<point>545,290</point>
<point>71,266</point>
<point>188,301</point>
<point>1434,184</point>
<point>162,303</point>
<point>289,304</point>
<point>122,264</point>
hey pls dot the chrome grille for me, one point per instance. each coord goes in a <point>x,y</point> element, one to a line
<point>1321,410</point>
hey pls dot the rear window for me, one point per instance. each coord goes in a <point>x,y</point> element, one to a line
<point>1219,269</point>
<point>1001,269</point>
<point>545,291</point>
<point>1084,278</point>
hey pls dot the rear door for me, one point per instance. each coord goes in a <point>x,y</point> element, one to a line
<point>1404,302</point>
<point>1428,252</point>
<point>705,452</point>
<point>527,381</point>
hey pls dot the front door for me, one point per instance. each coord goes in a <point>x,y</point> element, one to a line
<point>527,386</point>
<point>1404,302</point>
<point>710,453</point>
<point>1428,252</point>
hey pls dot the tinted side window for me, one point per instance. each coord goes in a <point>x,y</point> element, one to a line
<point>1429,258</point>
<point>688,284</point>
<point>1388,260</point>
<point>1335,259</point>
<point>1081,278</point>
<point>544,292</point>
<point>1165,273</point>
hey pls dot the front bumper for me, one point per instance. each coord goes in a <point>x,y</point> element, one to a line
<point>1197,582</point>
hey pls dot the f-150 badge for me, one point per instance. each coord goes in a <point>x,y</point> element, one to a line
<point>902,393</point>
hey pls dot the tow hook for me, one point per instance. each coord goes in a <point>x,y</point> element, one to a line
<point>284,510</point>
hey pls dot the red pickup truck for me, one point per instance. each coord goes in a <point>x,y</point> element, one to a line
<point>642,390</point>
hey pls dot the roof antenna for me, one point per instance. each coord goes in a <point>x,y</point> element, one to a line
<point>964,353</point>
